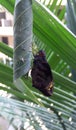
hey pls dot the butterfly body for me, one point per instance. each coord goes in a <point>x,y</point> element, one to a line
<point>42,78</point>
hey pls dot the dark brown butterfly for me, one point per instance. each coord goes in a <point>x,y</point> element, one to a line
<point>42,78</point>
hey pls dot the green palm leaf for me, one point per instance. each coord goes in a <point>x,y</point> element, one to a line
<point>29,113</point>
<point>59,44</point>
<point>53,33</point>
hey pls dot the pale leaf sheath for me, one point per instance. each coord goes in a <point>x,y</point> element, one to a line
<point>22,37</point>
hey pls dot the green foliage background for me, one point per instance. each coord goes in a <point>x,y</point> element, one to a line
<point>59,43</point>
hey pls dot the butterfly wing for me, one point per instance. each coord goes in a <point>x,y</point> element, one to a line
<point>42,78</point>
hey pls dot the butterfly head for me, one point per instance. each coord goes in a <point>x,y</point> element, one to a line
<point>41,53</point>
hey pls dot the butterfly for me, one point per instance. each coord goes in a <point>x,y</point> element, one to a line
<point>41,74</point>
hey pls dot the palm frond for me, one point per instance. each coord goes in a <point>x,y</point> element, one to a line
<point>36,116</point>
<point>59,111</point>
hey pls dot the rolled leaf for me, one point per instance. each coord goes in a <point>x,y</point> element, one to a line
<point>22,37</point>
<point>71,24</point>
